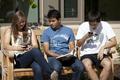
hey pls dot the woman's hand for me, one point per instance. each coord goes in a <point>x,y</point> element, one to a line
<point>29,47</point>
<point>24,48</point>
<point>20,48</point>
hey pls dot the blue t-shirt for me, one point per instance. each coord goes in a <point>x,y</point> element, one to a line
<point>58,40</point>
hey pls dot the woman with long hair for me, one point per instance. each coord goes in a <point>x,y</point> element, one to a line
<point>22,45</point>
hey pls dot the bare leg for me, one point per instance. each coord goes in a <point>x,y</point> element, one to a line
<point>88,66</point>
<point>107,68</point>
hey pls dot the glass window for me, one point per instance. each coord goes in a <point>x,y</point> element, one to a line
<point>109,8</point>
<point>6,10</point>
<point>70,8</point>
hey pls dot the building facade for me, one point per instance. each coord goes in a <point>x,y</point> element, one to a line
<point>72,11</point>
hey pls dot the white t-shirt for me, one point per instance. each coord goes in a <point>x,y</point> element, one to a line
<point>102,34</point>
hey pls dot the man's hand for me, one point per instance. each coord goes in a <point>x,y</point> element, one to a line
<point>90,34</point>
<point>101,53</point>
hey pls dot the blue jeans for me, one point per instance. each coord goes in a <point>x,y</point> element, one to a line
<point>76,65</point>
<point>34,59</point>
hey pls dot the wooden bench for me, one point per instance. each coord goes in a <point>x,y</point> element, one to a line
<point>8,70</point>
<point>65,70</point>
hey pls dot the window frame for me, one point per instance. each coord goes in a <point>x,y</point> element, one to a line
<point>72,20</point>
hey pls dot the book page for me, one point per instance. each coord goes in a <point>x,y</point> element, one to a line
<point>66,55</point>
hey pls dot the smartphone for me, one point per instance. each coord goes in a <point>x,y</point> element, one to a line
<point>24,46</point>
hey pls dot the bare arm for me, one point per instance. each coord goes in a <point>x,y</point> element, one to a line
<point>6,42</point>
<point>111,43</point>
<point>34,40</point>
<point>48,51</point>
<point>81,41</point>
<point>71,45</point>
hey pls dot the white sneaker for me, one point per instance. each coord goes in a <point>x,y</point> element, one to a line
<point>54,75</point>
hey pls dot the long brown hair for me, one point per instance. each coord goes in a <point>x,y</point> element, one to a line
<point>14,26</point>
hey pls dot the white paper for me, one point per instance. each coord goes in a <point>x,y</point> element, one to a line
<point>66,55</point>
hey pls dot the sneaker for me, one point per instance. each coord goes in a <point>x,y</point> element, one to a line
<point>54,75</point>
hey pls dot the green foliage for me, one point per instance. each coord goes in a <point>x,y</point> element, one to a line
<point>32,4</point>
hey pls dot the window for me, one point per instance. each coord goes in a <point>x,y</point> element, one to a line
<point>109,8</point>
<point>6,10</point>
<point>70,8</point>
<point>72,11</point>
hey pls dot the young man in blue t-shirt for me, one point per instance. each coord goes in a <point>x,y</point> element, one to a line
<point>59,40</point>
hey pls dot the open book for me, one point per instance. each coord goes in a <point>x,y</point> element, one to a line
<point>65,56</point>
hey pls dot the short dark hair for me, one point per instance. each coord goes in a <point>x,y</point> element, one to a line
<point>54,14</point>
<point>94,16</point>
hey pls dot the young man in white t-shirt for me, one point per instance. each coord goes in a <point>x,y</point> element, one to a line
<point>95,38</point>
